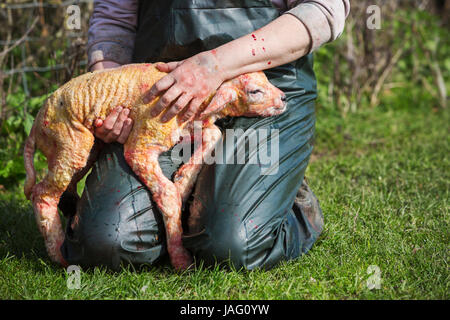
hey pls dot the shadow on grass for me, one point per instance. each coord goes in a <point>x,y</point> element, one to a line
<point>19,235</point>
<point>20,238</point>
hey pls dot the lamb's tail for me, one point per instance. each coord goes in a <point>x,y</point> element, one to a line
<point>28,156</point>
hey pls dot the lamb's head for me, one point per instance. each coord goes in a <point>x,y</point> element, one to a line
<point>248,95</point>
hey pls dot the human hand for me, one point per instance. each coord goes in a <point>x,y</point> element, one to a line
<point>185,87</point>
<point>116,127</point>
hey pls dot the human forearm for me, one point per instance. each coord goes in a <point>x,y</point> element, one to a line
<point>112,31</point>
<point>192,80</point>
<point>301,30</point>
<point>296,33</point>
<point>283,40</point>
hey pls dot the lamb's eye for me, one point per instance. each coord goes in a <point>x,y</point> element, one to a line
<point>255,91</point>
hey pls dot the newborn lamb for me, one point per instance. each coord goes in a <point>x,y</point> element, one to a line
<point>63,131</point>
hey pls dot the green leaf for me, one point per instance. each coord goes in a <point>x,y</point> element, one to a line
<point>28,123</point>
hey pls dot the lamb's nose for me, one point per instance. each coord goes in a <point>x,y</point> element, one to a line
<point>283,98</point>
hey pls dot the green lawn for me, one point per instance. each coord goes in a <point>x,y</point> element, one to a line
<point>383,181</point>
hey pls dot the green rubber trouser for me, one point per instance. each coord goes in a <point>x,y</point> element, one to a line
<point>248,218</point>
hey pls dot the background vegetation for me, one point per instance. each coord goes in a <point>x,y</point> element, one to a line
<point>380,165</point>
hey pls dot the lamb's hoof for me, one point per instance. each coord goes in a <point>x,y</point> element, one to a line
<point>182,261</point>
<point>54,252</point>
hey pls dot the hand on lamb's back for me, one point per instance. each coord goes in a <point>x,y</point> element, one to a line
<point>186,86</point>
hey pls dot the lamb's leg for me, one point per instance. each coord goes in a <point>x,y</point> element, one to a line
<point>68,200</point>
<point>145,164</point>
<point>46,194</point>
<point>45,201</point>
<point>92,157</point>
<point>187,174</point>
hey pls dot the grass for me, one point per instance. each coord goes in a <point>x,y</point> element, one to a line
<point>382,177</point>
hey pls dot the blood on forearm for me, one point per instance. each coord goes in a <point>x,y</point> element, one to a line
<point>283,40</point>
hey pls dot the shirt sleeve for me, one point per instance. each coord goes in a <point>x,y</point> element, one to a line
<point>112,30</point>
<point>324,19</point>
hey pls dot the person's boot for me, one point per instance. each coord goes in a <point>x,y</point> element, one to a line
<point>306,204</point>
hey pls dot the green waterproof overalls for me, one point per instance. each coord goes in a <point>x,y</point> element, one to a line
<point>249,219</point>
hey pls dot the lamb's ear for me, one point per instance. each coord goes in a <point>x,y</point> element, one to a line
<point>224,95</point>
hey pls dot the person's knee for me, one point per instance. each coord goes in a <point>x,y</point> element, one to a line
<point>220,244</point>
<point>245,244</point>
<point>101,247</point>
